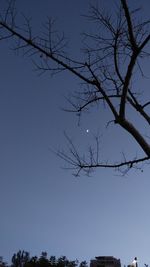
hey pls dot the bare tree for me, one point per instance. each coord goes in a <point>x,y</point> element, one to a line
<point>112,55</point>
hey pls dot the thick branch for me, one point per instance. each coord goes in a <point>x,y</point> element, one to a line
<point>140,108</point>
<point>126,85</point>
<point>116,60</point>
<point>147,39</point>
<point>129,127</point>
<point>136,51</point>
<point>129,23</point>
<point>108,101</point>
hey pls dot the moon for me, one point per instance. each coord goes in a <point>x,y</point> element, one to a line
<point>87,130</point>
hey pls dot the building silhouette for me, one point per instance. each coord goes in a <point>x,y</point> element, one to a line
<point>105,261</point>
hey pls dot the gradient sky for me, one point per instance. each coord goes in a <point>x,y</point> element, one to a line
<point>42,206</point>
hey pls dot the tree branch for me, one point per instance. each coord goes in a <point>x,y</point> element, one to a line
<point>130,27</point>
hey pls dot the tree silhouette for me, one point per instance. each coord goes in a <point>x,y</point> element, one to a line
<point>23,259</point>
<point>20,258</point>
<point>83,264</point>
<point>113,56</point>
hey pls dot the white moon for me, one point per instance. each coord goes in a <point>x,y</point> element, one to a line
<point>87,130</point>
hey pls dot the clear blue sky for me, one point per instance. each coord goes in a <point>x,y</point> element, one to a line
<point>42,206</point>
